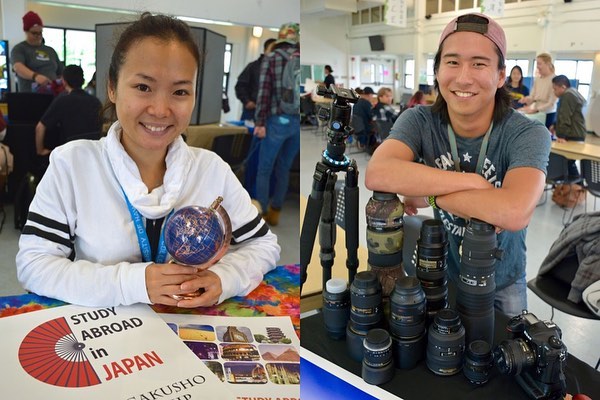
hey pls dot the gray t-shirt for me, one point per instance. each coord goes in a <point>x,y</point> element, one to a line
<point>41,59</point>
<point>516,141</point>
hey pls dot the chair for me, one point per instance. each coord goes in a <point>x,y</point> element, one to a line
<point>233,149</point>
<point>383,128</point>
<point>558,173</point>
<point>590,171</point>
<point>359,130</point>
<point>553,288</point>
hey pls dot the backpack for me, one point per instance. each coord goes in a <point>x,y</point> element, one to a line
<point>290,83</point>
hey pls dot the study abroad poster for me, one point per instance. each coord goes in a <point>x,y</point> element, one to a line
<point>117,353</point>
<point>255,358</point>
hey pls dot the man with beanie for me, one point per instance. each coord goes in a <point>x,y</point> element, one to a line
<point>246,88</point>
<point>276,124</point>
<point>480,158</point>
<point>75,115</point>
<point>35,64</point>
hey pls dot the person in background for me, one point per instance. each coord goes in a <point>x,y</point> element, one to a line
<point>516,88</point>
<point>93,235</point>
<point>362,110</point>
<point>90,88</point>
<point>37,66</point>
<point>246,88</point>
<point>417,99</point>
<point>329,79</point>
<point>71,116</point>
<point>383,110</point>
<point>481,159</point>
<point>542,98</point>
<point>570,123</point>
<point>279,130</point>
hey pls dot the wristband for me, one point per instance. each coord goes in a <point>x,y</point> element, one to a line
<point>431,202</point>
<point>33,76</point>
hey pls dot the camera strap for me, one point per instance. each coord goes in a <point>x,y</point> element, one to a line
<point>482,151</point>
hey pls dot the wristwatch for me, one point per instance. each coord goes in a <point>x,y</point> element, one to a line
<point>33,76</point>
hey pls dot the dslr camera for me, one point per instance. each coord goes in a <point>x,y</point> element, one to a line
<point>536,355</point>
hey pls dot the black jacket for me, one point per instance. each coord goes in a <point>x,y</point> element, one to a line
<point>246,88</point>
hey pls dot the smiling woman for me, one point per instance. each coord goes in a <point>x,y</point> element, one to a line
<point>101,226</point>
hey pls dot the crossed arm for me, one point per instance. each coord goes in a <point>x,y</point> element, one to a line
<point>467,195</point>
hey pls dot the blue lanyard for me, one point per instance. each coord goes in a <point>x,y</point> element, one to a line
<point>143,241</point>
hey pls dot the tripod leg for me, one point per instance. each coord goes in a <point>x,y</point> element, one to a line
<point>351,219</point>
<point>311,219</point>
<point>327,228</point>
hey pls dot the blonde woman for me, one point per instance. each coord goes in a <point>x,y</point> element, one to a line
<point>542,98</point>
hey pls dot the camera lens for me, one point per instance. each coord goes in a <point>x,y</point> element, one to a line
<point>366,311</point>
<point>476,284</point>
<point>512,356</point>
<point>336,307</point>
<point>407,322</point>
<point>478,362</point>
<point>432,252</point>
<point>407,309</point>
<point>446,343</point>
<point>377,365</point>
<point>385,237</point>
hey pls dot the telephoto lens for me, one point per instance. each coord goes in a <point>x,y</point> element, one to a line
<point>446,343</point>
<point>366,311</point>
<point>476,284</point>
<point>432,253</point>
<point>385,237</point>
<point>336,307</point>
<point>479,360</point>
<point>377,365</point>
<point>407,322</point>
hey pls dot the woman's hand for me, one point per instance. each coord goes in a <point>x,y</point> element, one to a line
<point>209,285</point>
<point>165,280</point>
<point>412,204</point>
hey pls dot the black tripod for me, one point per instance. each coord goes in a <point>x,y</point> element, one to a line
<point>322,202</point>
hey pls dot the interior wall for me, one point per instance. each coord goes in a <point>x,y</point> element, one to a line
<point>562,29</point>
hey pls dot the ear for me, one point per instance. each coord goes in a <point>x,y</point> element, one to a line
<point>501,78</point>
<point>111,92</point>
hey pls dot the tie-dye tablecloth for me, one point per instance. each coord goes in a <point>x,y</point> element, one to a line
<point>277,295</point>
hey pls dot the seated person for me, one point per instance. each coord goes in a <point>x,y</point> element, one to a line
<point>417,99</point>
<point>93,234</point>
<point>383,110</point>
<point>70,116</point>
<point>570,123</point>
<point>362,111</point>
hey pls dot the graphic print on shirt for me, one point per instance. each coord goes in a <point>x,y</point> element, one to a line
<point>41,55</point>
<point>453,224</point>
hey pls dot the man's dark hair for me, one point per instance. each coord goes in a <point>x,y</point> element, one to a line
<point>73,75</point>
<point>501,101</point>
<point>561,80</point>
<point>268,43</point>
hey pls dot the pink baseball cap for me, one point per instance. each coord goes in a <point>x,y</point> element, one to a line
<point>478,23</point>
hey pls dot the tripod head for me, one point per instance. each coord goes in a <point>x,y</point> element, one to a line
<point>338,122</point>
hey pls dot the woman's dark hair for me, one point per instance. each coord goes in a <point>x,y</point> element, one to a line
<point>161,27</point>
<point>501,101</point>
<point>509,77</point>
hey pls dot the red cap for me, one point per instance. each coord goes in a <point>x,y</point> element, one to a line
<point>478,23</point>
<point>31,19</point>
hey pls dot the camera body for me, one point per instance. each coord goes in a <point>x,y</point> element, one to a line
<point>536,355</point>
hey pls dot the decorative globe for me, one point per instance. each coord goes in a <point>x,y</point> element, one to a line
<point>195,235</point>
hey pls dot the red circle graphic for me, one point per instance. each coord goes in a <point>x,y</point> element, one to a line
<point>52,354</point>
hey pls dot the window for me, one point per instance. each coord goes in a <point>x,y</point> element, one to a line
<point>74,46</point>
<point>430,74</point>
<point>409,74</point>
<point>371,15</point>
<point>580,70</point>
